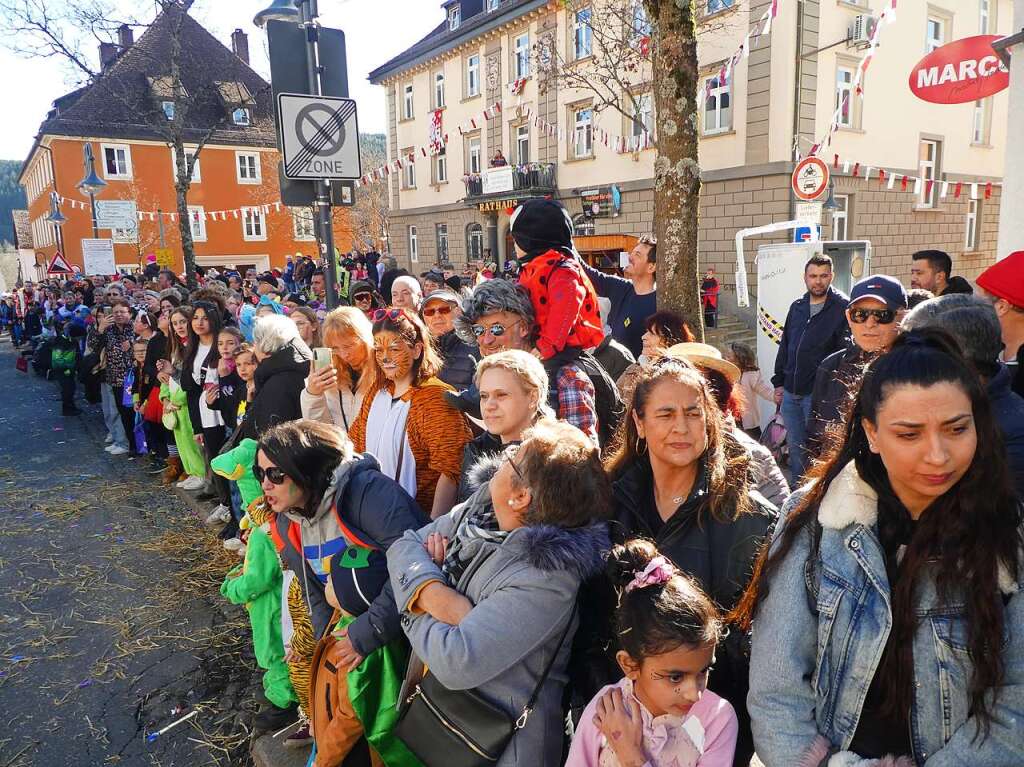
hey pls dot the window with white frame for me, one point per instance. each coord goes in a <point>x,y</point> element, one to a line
<point>521,141</point>
<point>117,161</point>
<point>930,156</point>
<point>168,109</point>
<point>984,16</point>
<point>247,167</point>
<point>442,242</point>
<point>241,116</point>
<point>441,167</point>
<point>641,24</point>
<point>414,246</point>
<point>254,225</point>
<point>407,104</point>
<point>642,110</point>
<point>844,96</point>
<point>718,107</point>
<point>492,5</point>
<point>473,75</point>
<point>973,225</point>
<point>454,17</point>
<point>474,154</point>
<point>521,56</point>
<point>303,224</point>
<point>197,222</point>
<point>190,156</point>
<point>438,90</point>
<point>474,242</point>
<point>583,33</point>
<point>583,226</point>
<point>935,33</point>
<point>841,218</point>
<point>408,170</point>
<point>583,132</point>
<point>981,120</point>
<point>714,6</point>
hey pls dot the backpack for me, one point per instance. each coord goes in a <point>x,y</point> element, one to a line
<point>774,437</point>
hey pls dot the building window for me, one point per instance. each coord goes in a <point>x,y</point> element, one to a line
<point>935,36</point>
<point>718,107</point>
<point>414,248</point>
<point>521,140</point>
<point>981,120</point>
<point>197,222</point>
<point>521,56</point>
<point>454,17</point>
<point>441,168</point>
<point>438,90</point>
<point>929,170</point>
<point>475,155</point>
<point>407,105</point>
<point>254,226</point>
<point>303,224</point>
<point>240,116</point>
<point>408,171</point>
<point>841,218</point>
<point>582,226</point>
<point>715,6</point>
<point>247,165</point>
<point>583,133</point>
<point>492,5</point>
<point>190,156</point>
<point>642,109</point>
<point>117,161</point>
<point>844,96</point>
<point>641,24</point>
<point>473,75</point>
<point>984,16</point>
<point>973,225</point>
<point>474,242</point>
<point>583,33</point>
<point>168,108</point>
<point>442,242</point>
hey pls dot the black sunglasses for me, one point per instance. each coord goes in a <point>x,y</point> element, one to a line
<point>882,316</point>
<point>362,297</point>
<point>497,329</point>
<point>274,474</point>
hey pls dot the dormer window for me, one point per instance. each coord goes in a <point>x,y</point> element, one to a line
<point>168,109</point>
<point>240,116</point>
<point>454,17</point>
<point>492,5</point>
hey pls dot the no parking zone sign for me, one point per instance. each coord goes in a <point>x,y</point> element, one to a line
<point>319,137</point>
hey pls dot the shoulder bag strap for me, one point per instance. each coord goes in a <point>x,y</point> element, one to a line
<point>528,708</point>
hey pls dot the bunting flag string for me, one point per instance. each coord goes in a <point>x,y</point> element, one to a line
<point>941,188</point>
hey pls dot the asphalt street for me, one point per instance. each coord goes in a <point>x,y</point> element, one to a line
<point>111,622</point>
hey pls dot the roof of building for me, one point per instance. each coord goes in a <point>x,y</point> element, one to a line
<point>22,229</point>
<point>475,20</point>
<point>123,102</point>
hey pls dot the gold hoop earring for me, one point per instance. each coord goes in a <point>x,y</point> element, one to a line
<point>638,450</point>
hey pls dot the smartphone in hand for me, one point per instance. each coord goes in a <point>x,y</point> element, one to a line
<point>323,357</point>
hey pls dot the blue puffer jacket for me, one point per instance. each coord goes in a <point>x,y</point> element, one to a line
<point>807,340</point>
<point>814,655</point>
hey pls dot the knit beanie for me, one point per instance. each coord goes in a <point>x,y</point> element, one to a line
<point>1005,279</point>
<point>540,225</point>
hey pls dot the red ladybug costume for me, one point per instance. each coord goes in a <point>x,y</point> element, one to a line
<point>564,301</point>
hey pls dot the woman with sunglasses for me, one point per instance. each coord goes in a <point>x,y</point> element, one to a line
<point>877,305</point>
<point>488,592</point>
<point>439,310</point>
<point>405,421</point>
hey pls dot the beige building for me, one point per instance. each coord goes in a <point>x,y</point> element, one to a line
<point>452,207</point>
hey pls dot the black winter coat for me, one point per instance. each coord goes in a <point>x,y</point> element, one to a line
<point>459,361</point>
<point>613,357</point>
<point>806,341</point>
<point>279,381</point>
<point>835,385</point>
<point>477,449</point>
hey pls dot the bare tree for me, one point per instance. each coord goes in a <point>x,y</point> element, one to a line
<point>369,216</point>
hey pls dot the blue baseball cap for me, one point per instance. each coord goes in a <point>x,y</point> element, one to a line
<point>880,287</point>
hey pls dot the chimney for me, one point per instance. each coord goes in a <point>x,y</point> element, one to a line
<point>240,45</point>
<point>125,36</point>
<point>108,55</point>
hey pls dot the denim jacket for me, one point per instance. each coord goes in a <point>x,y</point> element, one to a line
<point>818,638</point>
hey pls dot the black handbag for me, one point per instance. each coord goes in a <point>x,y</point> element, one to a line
<point>459,728</point>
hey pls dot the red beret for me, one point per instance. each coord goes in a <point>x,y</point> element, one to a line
<point>1005,279</point>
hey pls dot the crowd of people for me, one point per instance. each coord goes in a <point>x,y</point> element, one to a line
<point>531,521</point>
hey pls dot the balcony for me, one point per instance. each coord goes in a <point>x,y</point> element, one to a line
<point>499,188</point>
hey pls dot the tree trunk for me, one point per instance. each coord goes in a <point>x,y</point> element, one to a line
<point>182,179</point>
<point>676,170</point>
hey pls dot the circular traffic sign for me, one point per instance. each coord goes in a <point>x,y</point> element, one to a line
<point>320,129</point>
<point>810,178</point>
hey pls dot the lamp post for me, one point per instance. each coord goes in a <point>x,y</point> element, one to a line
<point>305,14</point>
<point>57,218</point>
<point>90,185</point>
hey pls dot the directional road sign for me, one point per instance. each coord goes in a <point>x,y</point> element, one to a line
<point>319,137</point>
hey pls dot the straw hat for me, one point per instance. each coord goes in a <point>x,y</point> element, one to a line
<point>705,355</point>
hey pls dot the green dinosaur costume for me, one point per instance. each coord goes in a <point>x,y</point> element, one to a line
<point>257,582</point>
<point>191,458</point>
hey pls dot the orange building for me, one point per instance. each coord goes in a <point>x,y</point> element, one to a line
<point>235,210</point>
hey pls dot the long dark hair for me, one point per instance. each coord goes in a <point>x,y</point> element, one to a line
<point>178,350</point>
<point>726,460</point>
<point>308,452</point>
<point>215,317</point>
<point>966,535</point>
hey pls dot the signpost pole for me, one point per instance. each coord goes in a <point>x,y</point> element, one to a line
<point>323,186</point>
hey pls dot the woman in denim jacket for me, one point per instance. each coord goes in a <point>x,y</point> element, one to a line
<point>888,623</point>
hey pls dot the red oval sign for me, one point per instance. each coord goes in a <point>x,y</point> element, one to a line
<point>961,72</point>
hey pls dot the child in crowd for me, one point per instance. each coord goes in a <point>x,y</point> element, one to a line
<point>225,397</point>
<point>661,713</point>
<point>245,369</point>
<point>132,392</point>
<point>752,385</point>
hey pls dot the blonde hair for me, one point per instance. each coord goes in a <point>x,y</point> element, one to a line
<point>350,321</point>
<point>527,369</point>
<point>310,315</point>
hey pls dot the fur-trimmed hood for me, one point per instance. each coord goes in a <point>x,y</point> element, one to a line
<point>581,550</point>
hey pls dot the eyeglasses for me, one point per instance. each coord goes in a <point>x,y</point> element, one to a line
<point>510,453</point>
<point>387,314</point>
<point>496,329</point>
<point>274,474</point>
<point>362,297</point>
<point>443,310</point>
<point>882,316</point>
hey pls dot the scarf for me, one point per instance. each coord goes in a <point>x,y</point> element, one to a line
<point>387,441</point>
<point>478,522</point>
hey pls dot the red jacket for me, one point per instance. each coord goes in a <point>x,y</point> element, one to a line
<point>564,301</point>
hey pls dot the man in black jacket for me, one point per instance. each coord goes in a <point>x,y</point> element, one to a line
<point>877,305</point>
<point>931,270</point>
<point>439,310</point>
<point>815,328</point>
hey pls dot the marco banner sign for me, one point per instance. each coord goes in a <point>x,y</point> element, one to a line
<point>963,71</point>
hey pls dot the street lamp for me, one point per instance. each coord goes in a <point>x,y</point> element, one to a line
<point>90,185</point>
<point>830,203</point>
<point>56,218</point>
<point>279,10</point>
